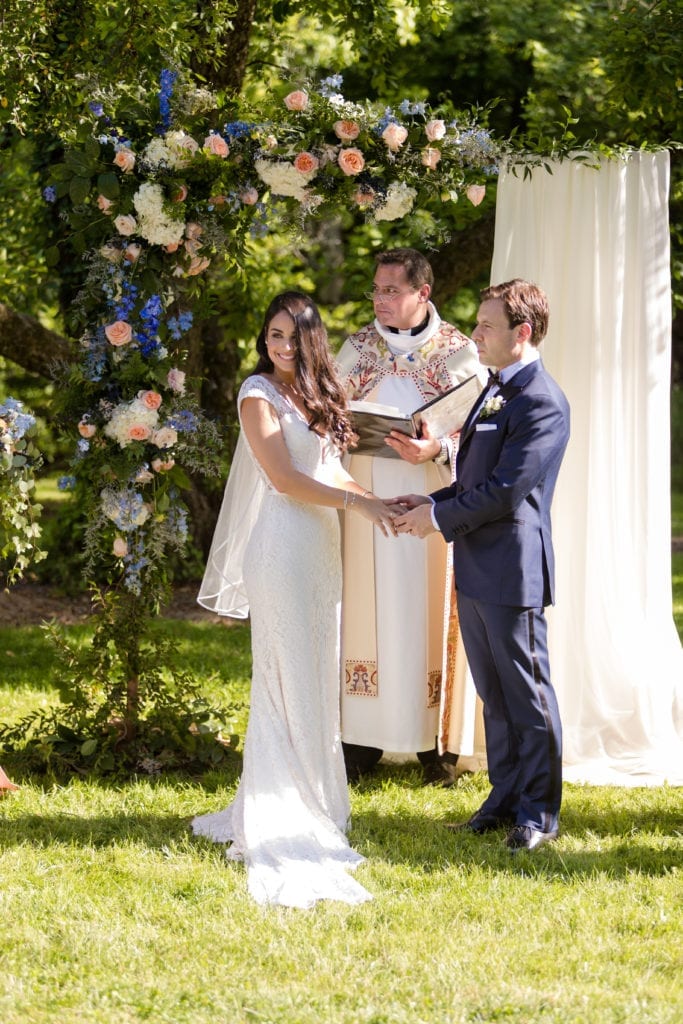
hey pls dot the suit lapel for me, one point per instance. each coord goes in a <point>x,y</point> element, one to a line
<point>507,391</point>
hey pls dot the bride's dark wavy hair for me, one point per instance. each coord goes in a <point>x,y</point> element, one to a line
<point>315,374</point>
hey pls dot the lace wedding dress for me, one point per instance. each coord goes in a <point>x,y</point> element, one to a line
<point>288,817</point>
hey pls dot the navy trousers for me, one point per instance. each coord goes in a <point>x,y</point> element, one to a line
<point>507,651</point>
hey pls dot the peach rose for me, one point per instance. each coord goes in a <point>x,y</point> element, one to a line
<point>139,432</point>
<point>119,547</point>
<point>351,161</point>
<point>218,200</point>
<point>86,429</point>
<point>435,130</point>
<point>125,159</point>
<point>394,136</point>
<point>193,230</point>
<point>430,157</point>
<point>180,194</point>
<point>306,163</point>
<point>249,196</point>
<point>198,264</point>
<point>118,333</point>
<point>104,204</point>
<point>150,399</point>
<point>216,145</point>
<point>162,465</point>
<point>475,193</point>
<point>176,380</point>
<point>172,247</point>
<point>132,252</point>
<point>347,131</point>
<point>297,100</point>
<point>143,476</point>
<point>125,224</point>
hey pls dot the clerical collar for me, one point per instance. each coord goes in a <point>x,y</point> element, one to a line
<point>405,342</point>
<point>413,331</point>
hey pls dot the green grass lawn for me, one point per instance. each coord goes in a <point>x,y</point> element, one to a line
<point>113,914</point>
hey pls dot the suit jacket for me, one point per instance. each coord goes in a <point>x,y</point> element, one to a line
<point>497,513</point>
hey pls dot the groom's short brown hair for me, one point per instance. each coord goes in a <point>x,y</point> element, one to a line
<point>524,302</point>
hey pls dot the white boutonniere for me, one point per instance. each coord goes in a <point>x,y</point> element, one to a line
<point>491,406</point>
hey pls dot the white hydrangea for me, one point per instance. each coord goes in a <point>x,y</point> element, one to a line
<point>156,153</point>
<point>130,419</point>
<point>154,224</point>
<point>283,179</point>
<point>398,203</point>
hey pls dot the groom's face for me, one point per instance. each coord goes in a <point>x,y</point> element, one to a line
<point>498,344</point>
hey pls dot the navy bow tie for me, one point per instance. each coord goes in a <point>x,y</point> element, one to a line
<point>494,377</point>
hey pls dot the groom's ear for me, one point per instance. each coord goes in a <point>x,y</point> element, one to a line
<point>524,331</point>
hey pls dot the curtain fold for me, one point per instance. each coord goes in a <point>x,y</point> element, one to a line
<point>597,241</point>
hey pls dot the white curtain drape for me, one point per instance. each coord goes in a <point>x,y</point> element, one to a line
<point>597,241</point>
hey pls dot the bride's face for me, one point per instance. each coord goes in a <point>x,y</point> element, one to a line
<point>281,344</point>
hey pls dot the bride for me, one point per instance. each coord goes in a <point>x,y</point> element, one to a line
<point>276,554</point>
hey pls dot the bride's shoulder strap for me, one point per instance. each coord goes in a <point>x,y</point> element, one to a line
<point>258,386</point>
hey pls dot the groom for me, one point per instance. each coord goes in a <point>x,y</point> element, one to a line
<point>497,514</point>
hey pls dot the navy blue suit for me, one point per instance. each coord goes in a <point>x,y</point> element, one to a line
<point>497,514</point>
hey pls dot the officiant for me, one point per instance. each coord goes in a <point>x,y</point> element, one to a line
<point>399,634</point>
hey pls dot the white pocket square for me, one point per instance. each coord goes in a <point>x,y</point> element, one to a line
<point>487,426</point>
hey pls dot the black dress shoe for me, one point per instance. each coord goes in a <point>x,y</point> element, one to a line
<point>479,824</point>
<point>524,837</point>
<point>438,774</point>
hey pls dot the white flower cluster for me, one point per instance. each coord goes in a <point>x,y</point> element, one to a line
<point>399,202</point>
<point>154,223</point>
<point>131,421</point>
<point>283,179</point>
<point>175,150</point>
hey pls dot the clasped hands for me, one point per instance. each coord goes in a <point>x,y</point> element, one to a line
<point>411,513</point>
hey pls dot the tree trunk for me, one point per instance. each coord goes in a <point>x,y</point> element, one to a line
<point>35,348</point>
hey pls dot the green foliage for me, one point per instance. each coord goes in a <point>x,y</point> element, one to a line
<point>126,705</point>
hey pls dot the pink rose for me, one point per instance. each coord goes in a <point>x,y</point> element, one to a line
<point>139,432</point>
<point>347,131</point>
<point>143,476</point>
<point>132,252</point>
<point>193,230</point>
<point>218,200</point>
<point>306,163</point>
<point>297,100</point>
<point>172,247</point>
<point>430,157</point>
<point>118,333</point>
<point>150,399</point>
<point>216,145</point>
<point>351,161</point>
<point>119,547</point>
<point>125,224</point>
<point>125,159</point>
<point>249,196</point>
<point>104,204</point>
<point>86,429</point>
<point>435,130</point>
<point>180,194</point>
<point>394,136</point>
<point>162,465</point>
<point>176,380</point>
<point>475,193</point>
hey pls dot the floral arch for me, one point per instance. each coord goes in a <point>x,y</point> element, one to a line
<point>155,192</point>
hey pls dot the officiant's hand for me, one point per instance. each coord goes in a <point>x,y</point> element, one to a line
<point>412,449</point>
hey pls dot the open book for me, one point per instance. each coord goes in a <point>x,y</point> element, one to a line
<point>444,415</point>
